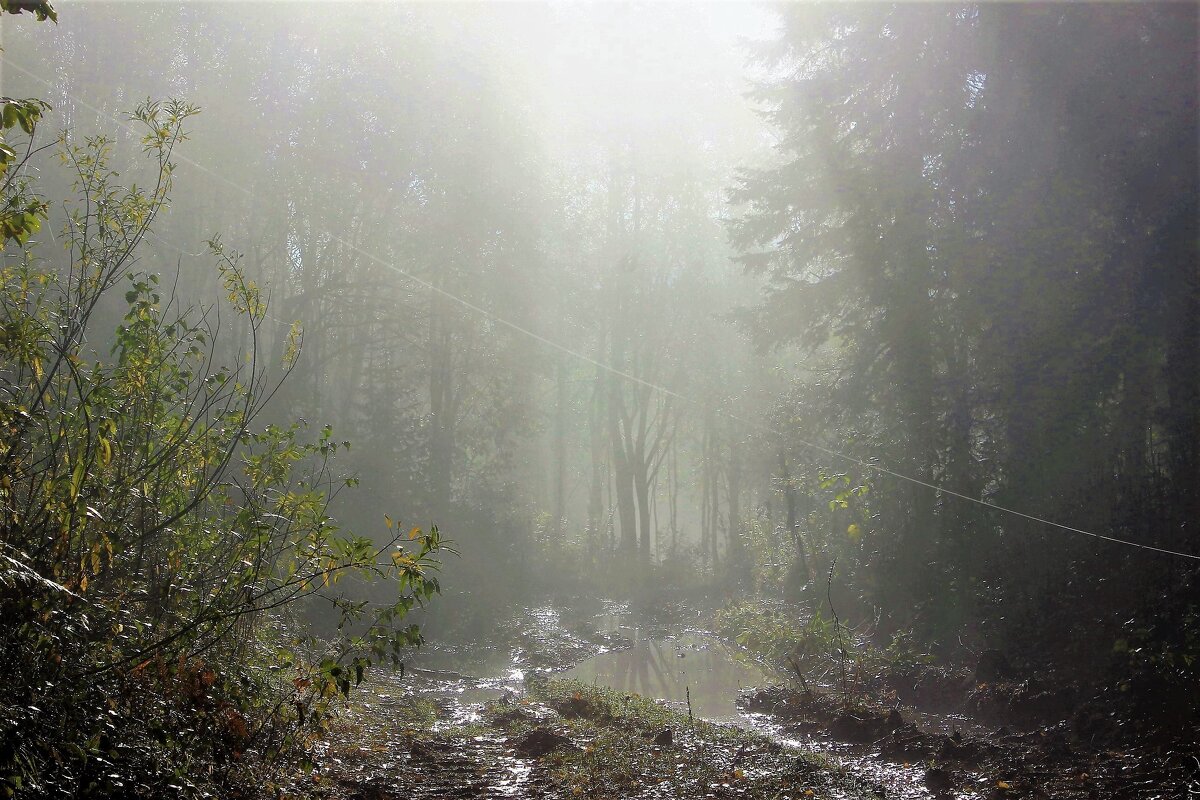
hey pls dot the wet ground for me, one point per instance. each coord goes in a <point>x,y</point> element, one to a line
<point>691,671</point>
<point>480,722</point>
<point>695,671</point>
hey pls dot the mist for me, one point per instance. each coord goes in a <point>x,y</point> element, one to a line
<point>845,351</point>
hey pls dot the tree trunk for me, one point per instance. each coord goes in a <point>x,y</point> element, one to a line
<point>799,574</point>
<point>560,447</point>
<point>599,467</point>
<point>622,472</point>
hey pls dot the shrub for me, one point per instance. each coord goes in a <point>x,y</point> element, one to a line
<point>153,531</point>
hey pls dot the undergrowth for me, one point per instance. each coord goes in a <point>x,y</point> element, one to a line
<point>817,649</point>
<point>154,531</point>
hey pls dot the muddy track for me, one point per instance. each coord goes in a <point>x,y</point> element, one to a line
<point>388,744</point>
<point>383,749</point>
<point>436,767</point>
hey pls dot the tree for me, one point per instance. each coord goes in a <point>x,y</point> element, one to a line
<point>851,226</point>
<point>965,223</point>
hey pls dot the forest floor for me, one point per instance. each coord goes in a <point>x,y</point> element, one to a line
<point>1058,759</point>
<point>439,734</point>
<point>564,739</point>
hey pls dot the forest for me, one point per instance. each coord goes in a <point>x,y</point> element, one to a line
<point>599,399</point>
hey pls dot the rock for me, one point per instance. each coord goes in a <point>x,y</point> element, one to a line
<point>992,666</point>
<point>665,738</point>
<point>539,742</point>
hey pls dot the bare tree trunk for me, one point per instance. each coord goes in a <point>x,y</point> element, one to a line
<point>800,572</point>
<point>673,494</point>
<point>737,561</point>
<point>711,502</point>
<point>641,485</point>
<point>560,447</point>
<point>626,503</point>
<point>598,464</point>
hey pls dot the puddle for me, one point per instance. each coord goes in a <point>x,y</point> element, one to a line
<point>691,670</point>
<point>690,666</point>
<point>710,671</point>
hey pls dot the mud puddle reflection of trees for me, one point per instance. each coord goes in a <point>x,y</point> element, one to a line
<point>698,673</point>
<point>570,704</point>
<point>473,721</point>
<point>421,731</point>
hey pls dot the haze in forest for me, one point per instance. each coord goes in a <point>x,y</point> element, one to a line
<point>475,211</point>
<point>883,308</point>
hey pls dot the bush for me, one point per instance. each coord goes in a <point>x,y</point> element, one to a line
<point>153,532</point>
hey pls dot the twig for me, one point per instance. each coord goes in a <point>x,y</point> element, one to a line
<point>799,673</point>
<point>841,650</point>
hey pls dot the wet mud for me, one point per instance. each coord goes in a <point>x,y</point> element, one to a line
<point>463,723</point>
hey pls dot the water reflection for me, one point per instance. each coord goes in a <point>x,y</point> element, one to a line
<point>670,669</point>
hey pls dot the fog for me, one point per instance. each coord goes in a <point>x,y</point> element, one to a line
<point>887,312</point>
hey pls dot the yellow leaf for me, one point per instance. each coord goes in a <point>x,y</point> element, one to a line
<point>388,521</point>
<point>414,533</point>
<point>77,476</point>
<point>854,532</point>
<point>1002,785</point>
